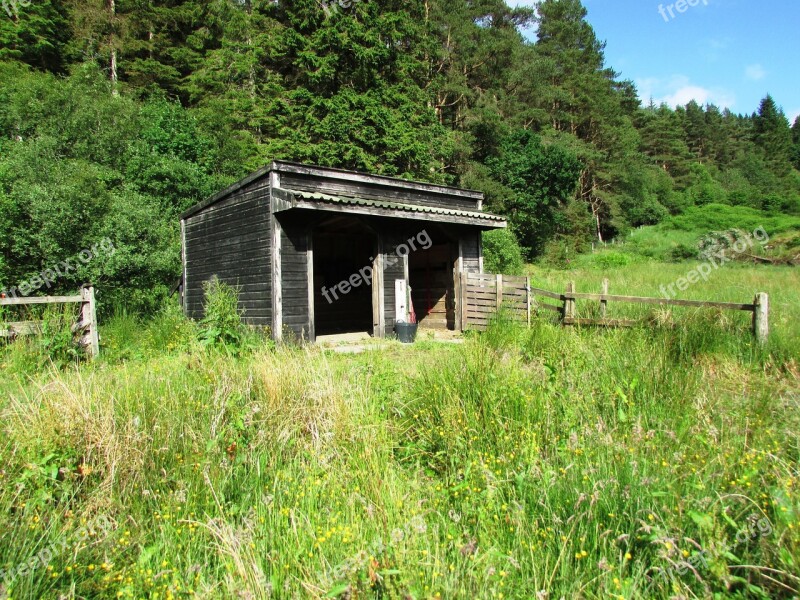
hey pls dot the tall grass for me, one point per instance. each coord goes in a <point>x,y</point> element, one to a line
<point>536,463</point>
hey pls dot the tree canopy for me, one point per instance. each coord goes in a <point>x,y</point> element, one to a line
<point>117,115</point>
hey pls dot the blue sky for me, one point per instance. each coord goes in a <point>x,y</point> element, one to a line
<point>727,52</point>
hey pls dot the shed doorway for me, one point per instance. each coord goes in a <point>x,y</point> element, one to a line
<point>344,251</point>
<point>431,276</point>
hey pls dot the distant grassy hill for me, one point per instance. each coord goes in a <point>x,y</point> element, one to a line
<point>677,238</point>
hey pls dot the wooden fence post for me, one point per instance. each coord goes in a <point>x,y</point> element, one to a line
<point>528,298</point>
<point>464,279</point>
<point>88,320</point>
<point>499,290</point>
<point>569,304</point>
<point>604,303</point>
<point>761,317</point>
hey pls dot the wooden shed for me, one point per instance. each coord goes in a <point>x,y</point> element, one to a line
<point>319,251</point>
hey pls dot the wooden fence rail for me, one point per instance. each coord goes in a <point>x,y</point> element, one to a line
<point>85,327</point>
<point>483,294</point>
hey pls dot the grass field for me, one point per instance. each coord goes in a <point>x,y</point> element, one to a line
<point>653,462</point>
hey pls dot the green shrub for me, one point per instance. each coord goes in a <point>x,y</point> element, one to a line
<point>604,259</point>
<point>54,345</point>
<point>501,253</point>
<point>610,260</point>
<point>170,330</point>
<point>222,326</point>
<point>682,252</point>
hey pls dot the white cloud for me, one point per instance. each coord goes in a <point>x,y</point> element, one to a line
<point>679,91</point>
<point>755,72</point>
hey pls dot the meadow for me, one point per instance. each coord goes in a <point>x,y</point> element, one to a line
<point>654,462</point>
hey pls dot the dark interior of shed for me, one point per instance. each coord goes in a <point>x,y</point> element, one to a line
<point>343,253</point>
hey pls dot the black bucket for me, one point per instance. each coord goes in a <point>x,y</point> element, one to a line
<point>406,332</point>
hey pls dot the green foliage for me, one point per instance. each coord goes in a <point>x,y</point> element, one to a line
<point>501,253</point>
<point>540,181</point>
<point>221,328</point>
<point>719,217</point>
<point>683,252</point>
<point>115,117</point>
<point>796,143</point>
<point>54,346</point>
<point>612,259</point>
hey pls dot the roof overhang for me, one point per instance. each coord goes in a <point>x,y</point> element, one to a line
<point>286,200</point>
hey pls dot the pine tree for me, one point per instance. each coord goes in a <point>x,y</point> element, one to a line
<point>357,88</point>
<point>35,33</point>
<point>585,100</point>
<point>663,141</point>
<point>696,128</point>
<point>773,135</point>
<point>796,142</point>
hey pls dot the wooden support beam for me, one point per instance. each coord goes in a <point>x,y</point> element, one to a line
<point>41,300</point>
<point>378,308</point>
<point>659,301</point>
<point>16,328</point>
<point>761,318</point>
<point>90,339</point>
<point>547,294</point>
<point>499,290</point>
<point>184,304</point>
<point>277,282</point>
<point>464,284</point>
<point>569,302</point>
<point>603,302</point>
<point>602,322</point>
<point>528,298</point>
<point>312,332</point>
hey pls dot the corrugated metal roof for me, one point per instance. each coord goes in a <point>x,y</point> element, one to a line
<point>417,208</point>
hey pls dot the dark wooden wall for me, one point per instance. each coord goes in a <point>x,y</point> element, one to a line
<point>471,249</point>
<point>294,276</point>
<point>231,239</point>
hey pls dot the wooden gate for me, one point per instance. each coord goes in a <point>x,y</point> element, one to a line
<point>86,327</point>
<point>483,294</point>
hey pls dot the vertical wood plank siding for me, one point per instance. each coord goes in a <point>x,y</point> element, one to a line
<point>230,239</point>
<point>471,248</point>
<point>294,273</point>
